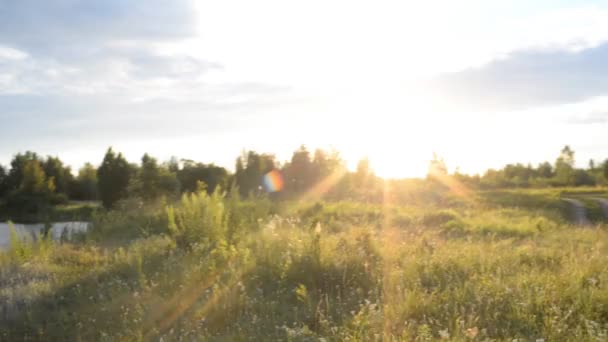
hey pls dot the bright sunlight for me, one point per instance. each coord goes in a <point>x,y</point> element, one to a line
<point>278,170</point>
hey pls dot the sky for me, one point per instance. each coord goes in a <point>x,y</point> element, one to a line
<point>481,83</point>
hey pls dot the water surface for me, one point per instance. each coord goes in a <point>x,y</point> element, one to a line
<point>28,231</point>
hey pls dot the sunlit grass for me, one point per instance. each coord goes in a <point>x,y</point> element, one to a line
<point>221,268</point>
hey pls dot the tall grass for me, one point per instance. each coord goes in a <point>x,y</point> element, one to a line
<point>214,267</point>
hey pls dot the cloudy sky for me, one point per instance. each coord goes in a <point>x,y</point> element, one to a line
<point>482,83</point>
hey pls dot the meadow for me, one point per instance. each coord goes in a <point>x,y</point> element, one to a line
<point>484,266</point>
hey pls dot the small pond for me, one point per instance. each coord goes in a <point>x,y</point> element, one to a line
<point>29,231</point>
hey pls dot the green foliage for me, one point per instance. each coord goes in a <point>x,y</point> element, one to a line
<point>113,175</point>
<point>396,259</point>
<point>150,177</point>
<point>199,220</point>
<point>15,176</point>
<point>250,168</point>
<point>62,175</point>
<point>3,181</point>
<point>34,181</point>
<point>191,173</point>
<point>84,187</point>
<point>215,267</point>
<point>23,248</point>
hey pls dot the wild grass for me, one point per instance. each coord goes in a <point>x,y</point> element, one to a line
<point>211,267</point>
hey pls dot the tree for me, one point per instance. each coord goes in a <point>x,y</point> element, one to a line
<point>53,168</point>
<point>35,193</point>
<point>173,164</point>
<point>564,166</point>
<point>545,170</point>
<point>299,175</point>
<point>250,170</point>
<point>34,181</point>
<point>192,173</point>
<point>324,164</point>
<point>363,173</point>
<point>153,180</point>
<point>582,177</point>
<point>15,175</point>
<point>150,178</point>
<point>3,179</point>
<point>113,176</point>
<point>85,185</point>
<point>168,183</point>
<point>605,169</point>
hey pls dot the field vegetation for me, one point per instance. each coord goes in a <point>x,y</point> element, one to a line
<point>213,266</point>
<point>334,256</point>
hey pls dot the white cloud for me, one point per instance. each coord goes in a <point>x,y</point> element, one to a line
<point>7,53</point>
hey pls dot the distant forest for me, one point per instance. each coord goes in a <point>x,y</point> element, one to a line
<point>33,182</point>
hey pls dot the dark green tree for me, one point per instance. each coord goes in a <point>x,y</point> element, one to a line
<point>86,186</point>
<point>299,172</point>
<point>53,168</point>
<point>3,180</point>
<point>34,181</point>
<point>250,169</point>
<point>15,175</point>
<point>168,183</point>
<point>150,178</point>
<point>191,173</point>
<point>113,176</point>
<point>35,193</point>
<point>544,170</point>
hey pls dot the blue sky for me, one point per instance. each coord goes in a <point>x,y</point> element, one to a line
<point>483,83</point>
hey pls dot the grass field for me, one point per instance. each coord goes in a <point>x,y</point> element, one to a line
<point>495,266</point>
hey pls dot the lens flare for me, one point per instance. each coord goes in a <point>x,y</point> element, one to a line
<point>273,181</point>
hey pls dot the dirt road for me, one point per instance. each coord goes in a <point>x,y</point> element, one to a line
<point>578,211</point>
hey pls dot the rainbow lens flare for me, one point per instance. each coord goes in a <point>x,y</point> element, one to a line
<point>273,181</point>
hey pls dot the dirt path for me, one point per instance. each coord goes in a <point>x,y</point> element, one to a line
<point>603,204</point>
<point>579,211</point>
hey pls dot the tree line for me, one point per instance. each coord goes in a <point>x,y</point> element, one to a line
<point>562,172</point>
<point>33,183</point>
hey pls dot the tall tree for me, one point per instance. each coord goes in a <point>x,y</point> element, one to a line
<point>86,183</point>
<point>545,170</point>
<point>113,176</point>
<point>191,173</point>
<point>3,179</point>
<point>250,169</point>
<point>34,181</point>
<point>53,168</point>
<point>299,171</point>
<point>15,175</point>
<point>564,166</point>
<point>150,178</point>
